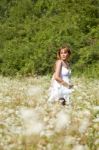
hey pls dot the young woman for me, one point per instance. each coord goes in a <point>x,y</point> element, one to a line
<point>61,86</point>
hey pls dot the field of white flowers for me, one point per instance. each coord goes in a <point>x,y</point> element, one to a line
<point>29,122</point>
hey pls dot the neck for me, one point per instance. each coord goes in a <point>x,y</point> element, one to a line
<point>65,61</point>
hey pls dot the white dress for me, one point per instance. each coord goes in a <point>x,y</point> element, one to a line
<point>57,90</point>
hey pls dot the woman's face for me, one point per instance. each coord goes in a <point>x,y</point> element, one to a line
<point>64,54</point>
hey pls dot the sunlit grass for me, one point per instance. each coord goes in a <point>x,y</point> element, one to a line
<point>29,122</point>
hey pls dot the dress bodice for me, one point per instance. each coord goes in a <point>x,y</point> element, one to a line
<point>65,73</point>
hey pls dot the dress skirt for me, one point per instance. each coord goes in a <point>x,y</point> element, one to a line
<point>57,91</point>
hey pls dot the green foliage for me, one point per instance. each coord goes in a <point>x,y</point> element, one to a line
<point>31,31</point>
<point>88,64</point>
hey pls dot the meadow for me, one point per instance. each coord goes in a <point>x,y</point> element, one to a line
<point>29,122</point>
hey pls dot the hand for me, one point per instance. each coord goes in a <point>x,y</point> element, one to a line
<point>65,84</point>
<point>70,86</point>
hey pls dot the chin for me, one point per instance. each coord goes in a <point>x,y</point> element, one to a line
<point>64,59</point>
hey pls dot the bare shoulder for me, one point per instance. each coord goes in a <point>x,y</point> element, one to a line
<point>58,62</point>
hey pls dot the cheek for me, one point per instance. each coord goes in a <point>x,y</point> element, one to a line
<point>66,55</point>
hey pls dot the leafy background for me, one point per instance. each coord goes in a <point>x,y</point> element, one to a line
<point>31,31</point>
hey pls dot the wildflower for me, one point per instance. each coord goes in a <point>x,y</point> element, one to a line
<point>79,147</point>
<point>84,125</point>
<point>97,142</point>
<point>69,140</point>
<point>96,120</point>
<point>33,90</point>
<point>31,121</point>
<point>62,121</point>
<point>79,97</point>
<point>96,108</point>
